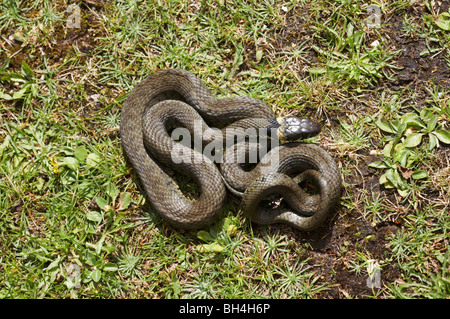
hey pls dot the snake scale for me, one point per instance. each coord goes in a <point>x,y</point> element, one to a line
<point>175,97</point>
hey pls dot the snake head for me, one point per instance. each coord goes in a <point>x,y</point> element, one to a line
<point>294,128</point>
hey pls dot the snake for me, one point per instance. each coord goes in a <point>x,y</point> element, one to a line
<point>174,98</point>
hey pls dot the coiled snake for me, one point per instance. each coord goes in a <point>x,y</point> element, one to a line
<point>175,97</point>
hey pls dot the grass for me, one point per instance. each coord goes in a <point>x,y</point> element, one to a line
<point>73,222</point>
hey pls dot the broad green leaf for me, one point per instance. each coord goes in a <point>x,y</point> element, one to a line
<point>385,182</point>
<point>432,123</point>
<point>403,192</point>
<point>419,174</point>
<point>94,216</point>
<point>432,141</point>
<point>401,157</point>
<point>225,223</point>
<point>443,21</point>
<point>232,230</point>
<point>394,177</point>
<point>205,236</point>
<point>212,248</point>
<point>426,113</point>
<point>20,94</point>
<point>412,140</point>
<point>102,203</point>
<point>110,267</point>
<point>93,160</point>
<point>89,256</point>
<point>80,153</point>
<point>385,126</point>
<point>383,179</point>
<point>70,162</point>
<point>26,70</point>
<point>412,158</point>
<point>387,150</point>
<point>5,96</point>
<point>443,136</point>
<point>412,119</point>
<point>259,55</point>
<point>112,190</point>
<point>378,164</point>
<point>125,200</point>
<point>401,127</point>
<point>96,275</point>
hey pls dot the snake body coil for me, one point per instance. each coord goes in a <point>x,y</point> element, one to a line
<point>176,97</point>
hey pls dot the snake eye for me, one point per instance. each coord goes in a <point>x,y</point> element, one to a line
<point>296,128</point>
